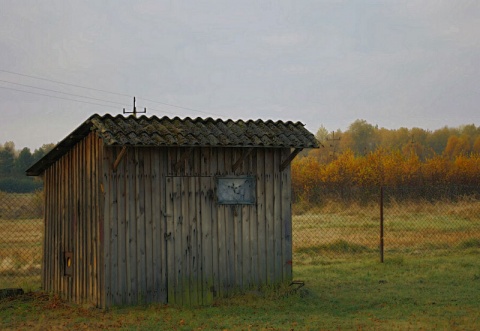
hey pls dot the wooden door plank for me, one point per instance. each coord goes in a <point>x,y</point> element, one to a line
<point>261,211</point>
<point>219,241</point>
<point>155,219</point>
<point>131,228</point>
<point>208,225</point>
<point>245,234</point>
<point>169,237</point>
<point>141,225</point>
<point>162,170</point>
<point>149,226</point>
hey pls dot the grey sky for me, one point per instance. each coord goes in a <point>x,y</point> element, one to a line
<point>392,63</point>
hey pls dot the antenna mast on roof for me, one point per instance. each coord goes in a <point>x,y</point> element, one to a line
<point>134,111</point>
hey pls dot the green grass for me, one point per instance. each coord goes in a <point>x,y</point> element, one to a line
<point>409,227</point>
<point>431,293</point>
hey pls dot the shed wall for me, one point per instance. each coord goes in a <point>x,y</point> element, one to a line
<point>166,238</point>
<point>73,210</point>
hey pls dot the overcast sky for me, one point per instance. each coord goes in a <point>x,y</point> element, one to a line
<point>392,63</point>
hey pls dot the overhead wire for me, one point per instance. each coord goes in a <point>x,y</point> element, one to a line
<point>105,91</point>
<point>63,83</point>
<point>52,96</point>
<point>55,91</point>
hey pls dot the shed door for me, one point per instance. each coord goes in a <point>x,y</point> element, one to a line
<point>188,239</point>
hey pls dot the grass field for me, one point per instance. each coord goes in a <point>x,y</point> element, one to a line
<point>20,253</point>
<point>21,233</point>
<point>405,293</point>
<point>335,230</point>
<point>430,279</point>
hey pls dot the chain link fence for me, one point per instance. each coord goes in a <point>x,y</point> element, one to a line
<point>416,221</point>
<point>21,234</point>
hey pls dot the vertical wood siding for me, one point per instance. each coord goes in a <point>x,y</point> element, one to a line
<point>152,231</point>
<point>166,238</point>
<point>73,213</point>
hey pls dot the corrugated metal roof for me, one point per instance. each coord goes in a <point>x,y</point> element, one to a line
<point>187,132</point>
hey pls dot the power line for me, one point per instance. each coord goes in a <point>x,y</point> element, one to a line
<point>63,83</point>
<point>105,91</point>
<point>52,96</point>
<point>80,101</point>
<point>55,91</point>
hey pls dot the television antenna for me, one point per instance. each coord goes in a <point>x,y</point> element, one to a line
<point>134,109</point>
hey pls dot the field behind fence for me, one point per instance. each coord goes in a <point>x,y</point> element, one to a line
<point>21,235</point>
<point>336,229</point>
<point>331,230</point>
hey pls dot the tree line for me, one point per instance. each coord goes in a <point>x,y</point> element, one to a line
<point>14,163</point>
<point>365,157</point>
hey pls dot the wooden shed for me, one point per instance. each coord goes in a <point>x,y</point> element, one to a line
<point>168,210</point>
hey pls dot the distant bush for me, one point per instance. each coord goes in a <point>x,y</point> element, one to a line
<point>358,177</point>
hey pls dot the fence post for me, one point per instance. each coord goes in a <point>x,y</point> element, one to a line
<point>381,224</point>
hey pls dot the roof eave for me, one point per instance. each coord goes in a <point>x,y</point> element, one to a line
<point>60,149</point>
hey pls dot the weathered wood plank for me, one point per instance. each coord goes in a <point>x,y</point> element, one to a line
<point>162,170</point>
<point>269,215</point>
<point>140,225</point>
<point>71,216</point>
<point>186,241</point>
<point>209,231</point>
<point>289,158</point>
<point>56,233</point>
<point>170,237</point>
<point>95,221</point>
<point>76,200</point>
<point>61,201</point>
<point>177,234</point>
<point>246,220</point>
<point>46,233</point>
<point>179,192</point>
<point>131,229</point>
<point>287,221</point>
<point>109,203</point>
<point>254,220</point>
<point>220,237</point>
<point>149,231</point>
<point>277,216</point>
<point>261,214</point>
<point>190,229</point>
<point>240,158</point>
<point>122,287</point>
<point>83,226</point>
<point>229,223</point>
<point>198,226</point>
<point>193,216</point>
<point>101,224</point>
<point>155,225</point>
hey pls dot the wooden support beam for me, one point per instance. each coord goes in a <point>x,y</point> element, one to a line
<point>290,158</point>
<point>119,158</point>
<point>245,154</point>
<point>185,155</point>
